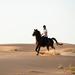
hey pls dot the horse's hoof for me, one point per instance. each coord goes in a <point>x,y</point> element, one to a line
<point>36,50</point>
<point>37,54</point>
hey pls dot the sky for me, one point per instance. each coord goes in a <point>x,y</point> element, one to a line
<point>19,18</point>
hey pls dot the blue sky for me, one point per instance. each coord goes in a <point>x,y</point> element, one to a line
<point>18,18</point>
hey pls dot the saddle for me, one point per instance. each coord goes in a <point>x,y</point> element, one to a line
<point>45,40</point>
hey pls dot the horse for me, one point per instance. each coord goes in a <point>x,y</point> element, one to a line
<point>42,41</point>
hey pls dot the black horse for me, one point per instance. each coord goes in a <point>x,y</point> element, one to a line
<point>42,41</point>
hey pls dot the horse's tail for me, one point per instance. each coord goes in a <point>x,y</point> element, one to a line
<point>57,41</point>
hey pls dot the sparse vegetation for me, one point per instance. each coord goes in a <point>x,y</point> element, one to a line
<point>15,49</point>
<point>70,68</point>
<point>60,66</point>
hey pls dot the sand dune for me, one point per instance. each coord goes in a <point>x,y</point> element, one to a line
<point>22,60</point>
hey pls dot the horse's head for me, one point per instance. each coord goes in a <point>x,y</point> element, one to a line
<point>36,33</point>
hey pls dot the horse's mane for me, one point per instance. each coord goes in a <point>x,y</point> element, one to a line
<point>38,31</point>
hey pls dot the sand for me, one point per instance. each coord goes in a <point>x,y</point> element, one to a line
<point>21,59</point>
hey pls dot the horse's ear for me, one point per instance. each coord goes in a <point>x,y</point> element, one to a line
<point>37,29</point>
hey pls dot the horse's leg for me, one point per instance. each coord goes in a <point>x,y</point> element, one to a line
<point>52,44</point>
<point>38,50</point>
<point>48,48</point>
<point>52,47</point>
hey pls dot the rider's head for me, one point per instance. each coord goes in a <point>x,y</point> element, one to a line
<point>44,26</point>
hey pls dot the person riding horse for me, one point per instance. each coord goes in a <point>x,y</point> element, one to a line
<point>44,34</point>
<point>41,42</point>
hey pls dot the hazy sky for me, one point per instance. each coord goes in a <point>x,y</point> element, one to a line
<point>18,18</point>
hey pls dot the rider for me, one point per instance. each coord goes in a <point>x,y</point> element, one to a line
<point>45,34</point>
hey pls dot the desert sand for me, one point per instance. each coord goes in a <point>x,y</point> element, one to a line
<point>21,59</point>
